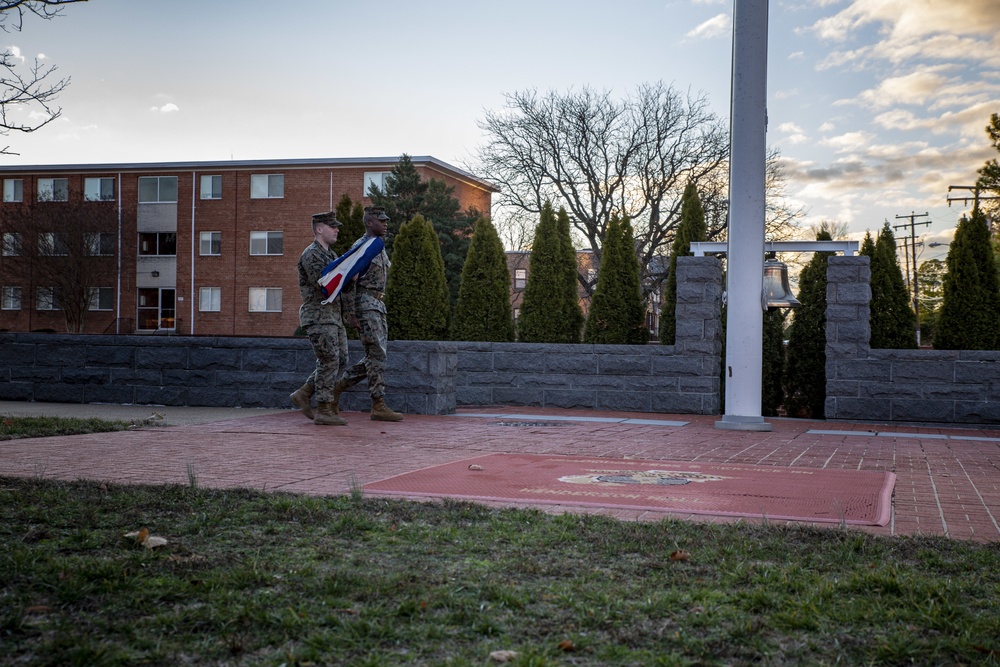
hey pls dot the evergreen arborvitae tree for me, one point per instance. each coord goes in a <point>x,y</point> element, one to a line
<point>772,371</point>
<point>868,246</point>
<point>573,314</point>
<point>352,228</point>
<point>548,295</point>
<point>416,294</point>
<point>692,227</point>
<point>616,313</point>
<point>970,314</point>
<point>483,309</point>
<point>893,322</point>
<point>805,362</point>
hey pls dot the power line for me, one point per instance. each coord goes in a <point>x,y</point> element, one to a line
<point>913,248</point>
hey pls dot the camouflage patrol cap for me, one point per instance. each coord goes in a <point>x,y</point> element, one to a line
<point>376,212</point>
<point>328,218</point>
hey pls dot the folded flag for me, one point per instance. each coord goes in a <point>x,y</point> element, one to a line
<point>348,266</point>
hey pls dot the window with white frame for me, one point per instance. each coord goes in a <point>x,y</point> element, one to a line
<point>11,298</point>
<point>376,178</point>
<point>11,244</point>
<point>99,244</point>
<point>13,189</point>
<point>47,298</point>
<point>265,299</point>
<point>53,244</point>
<point>267,186</point>
<point>99,189</point>
<point>267,243</point>
<point>520,278</point>
<point>157,243</point>
<point>101,298</point>
<point>210,299</point>
<point>157,189</point>
<point>210,243</point>
<point>211,187</point>
<point>53,189</point>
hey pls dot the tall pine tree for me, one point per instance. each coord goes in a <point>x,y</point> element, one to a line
<point>617,315</point>
<point>805,361</point>
<point>692,227</point>
<point>483,309</point>
<point>550,294</point>
<point>416,294</point>
<point>893,322</point>
<point>970,314</point>
<point>572,314</point>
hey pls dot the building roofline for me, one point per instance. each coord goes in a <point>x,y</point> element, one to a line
<point>343,162</point>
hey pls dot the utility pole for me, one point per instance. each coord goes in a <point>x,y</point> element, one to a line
<point>913,248</point>
<point>976,197</point>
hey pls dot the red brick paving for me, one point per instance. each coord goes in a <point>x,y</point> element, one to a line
<point>945,485</point>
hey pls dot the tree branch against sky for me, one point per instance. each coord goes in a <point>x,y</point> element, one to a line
<point>27,91</point>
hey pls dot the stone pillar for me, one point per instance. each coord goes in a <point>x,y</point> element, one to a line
<point>848,326</point>
<point>699,318</point>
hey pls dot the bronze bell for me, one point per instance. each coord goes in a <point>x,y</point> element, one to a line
<point>777,293</point>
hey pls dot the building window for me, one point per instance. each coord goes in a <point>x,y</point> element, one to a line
<point>53,245</point>
<point>267,186</point>
<point>211,187</point>
<point>11,244</point>
<point>210,299</point>
<point>102,298</point>
<point>100,244</point>
<point>53,189</point>
<point>156,309</point>
<point>157,189</point>
<point>47,298</point>
<point>11,299</point>
<point>520,278</point>
<point>13,189</point>
<point>157,243</point>
<point>211,243</point>
<point>98,189</point>
<point>376,178</point>
<point>267,243</point>
<point>265,299</point>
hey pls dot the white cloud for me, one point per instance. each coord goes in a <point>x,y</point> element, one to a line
<point>16,52</point>
<point>916,88</point>
<point>827,127</point>
<point>849,141</point>
<point>718,25</point>
<point>169,107</point>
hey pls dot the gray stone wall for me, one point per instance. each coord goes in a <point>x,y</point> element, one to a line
<point>206,371</point>
<point>948,386</point>
<point>423,377</point>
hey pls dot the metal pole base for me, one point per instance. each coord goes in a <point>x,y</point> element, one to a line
<point>736,423</point>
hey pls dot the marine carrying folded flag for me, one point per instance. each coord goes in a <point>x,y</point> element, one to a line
<point>348,266</point>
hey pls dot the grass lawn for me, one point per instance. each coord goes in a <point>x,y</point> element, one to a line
<point>251,578</point>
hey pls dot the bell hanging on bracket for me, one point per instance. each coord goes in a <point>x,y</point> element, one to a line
<point>777,293</point>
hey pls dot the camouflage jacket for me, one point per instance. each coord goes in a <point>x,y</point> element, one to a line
<point>313,311</point>
<point>367,292</point>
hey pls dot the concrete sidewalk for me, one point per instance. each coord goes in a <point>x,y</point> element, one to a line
<point>948,479</point>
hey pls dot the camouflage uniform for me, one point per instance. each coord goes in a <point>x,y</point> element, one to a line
<point>322,323</point>
<point>365,297</point>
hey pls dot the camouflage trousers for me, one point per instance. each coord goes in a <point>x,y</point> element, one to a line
<point>329,343</point>
<point>374,337</point>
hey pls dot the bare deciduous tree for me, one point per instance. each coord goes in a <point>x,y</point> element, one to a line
<point>34,85</point>
<point>598,157</point>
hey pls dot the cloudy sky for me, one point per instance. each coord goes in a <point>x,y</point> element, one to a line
<point>877,106</point>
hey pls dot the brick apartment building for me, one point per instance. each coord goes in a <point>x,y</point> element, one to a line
<point>206,248</point>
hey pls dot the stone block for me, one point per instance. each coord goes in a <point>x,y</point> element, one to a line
<point>161,358</point>
<point>848,388</point>
<point>698,385</point>
<point>526,361</point>
<point>58,393</point>
<point>624,364</point>
<point>952,391</point>
<point>570,398</point>
<point>212,358</point>
<point>161,395</point>
<point>625,401</point>
<point>867,409</point>
<point>977,371</point>
<point>15,391</point>
<point>678,366</point>
<point>215,397</point>
<point>135,377</point>
<point>519,396</point>
<point>172,377</point>
<point>904,409</point>
<point>888,390</point>
<point>475,360</point>
<point>977,412</point>
<point>34,374</point>
<point>572,363</point>
<point>923,371</point>
<point>12,353</point>
<point>681,404</point>
<point>108,356</point>
<point>63,355</point>
<point>264,360</point>
<point>92,376</point>
<point>114,394</point>
<point>466,395</point>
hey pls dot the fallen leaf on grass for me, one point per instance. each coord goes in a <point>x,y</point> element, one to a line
<point>679,555</point>
<point>475,467</point>
<point>38,609</point>
<point>145,539</point>
<point>503,656</point>
<point>566,645</point>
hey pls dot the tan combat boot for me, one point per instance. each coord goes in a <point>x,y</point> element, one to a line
<point>325,416</point>
<point>383,413</point>
<point>300,399</point>
<point>338,389</point>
